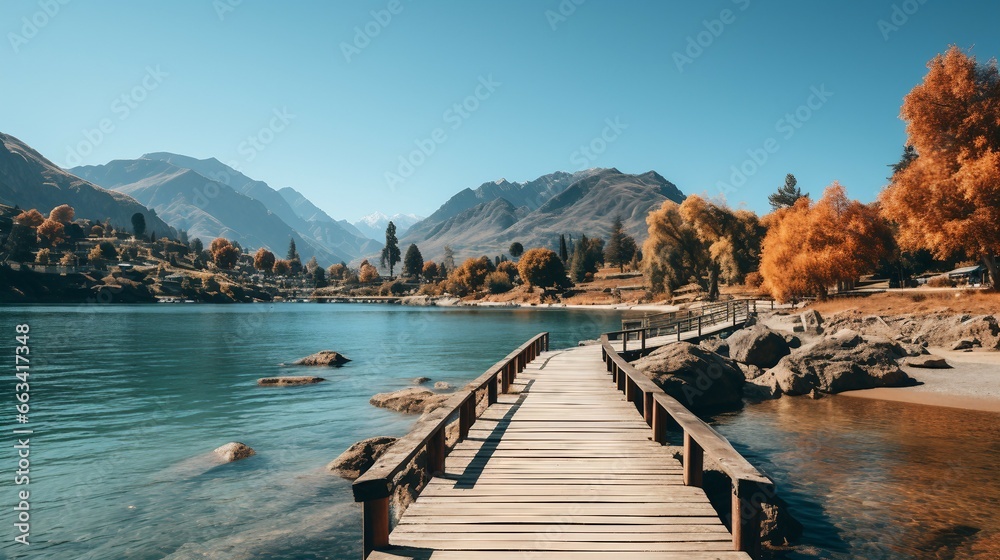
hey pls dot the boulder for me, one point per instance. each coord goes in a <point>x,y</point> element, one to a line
<point>844,362</point>
<point>764,386</point>
<point>929,361</point>
<point>715,344</point>
<point>812,322</point>
<point>698,378</point>
<point>420,380</point>
<point>360,457</point>
<point>966,344</point>
<point>323,358</point>
<point>757,345</point>
<point>411,400</point>
<point>234,451</point>
<point>289,380</point>
<point>750,371</point>
<point>442,385</point>
<point>793,341</point>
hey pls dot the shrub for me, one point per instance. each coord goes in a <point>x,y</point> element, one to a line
<point>43,256</point>
<point>498,282</point>
<point>542,268</point>
<point>942,281</point>
<point>753,281</point>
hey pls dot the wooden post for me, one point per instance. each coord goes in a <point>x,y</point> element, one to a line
<point>693,461</point>
<point>624,341</point>
<point>375,525</point>
<point>505,379</point>
<point>435,453</point>
<point>621,380</point>
<point>491,390</point>
<point>647,408</point>
<point>746,518</point>
<point>699,326</point>
<point>629,390</point>
<point>546,342</point>
<point>643,335</point>
<point>659,423</point>
<point>465,418</point>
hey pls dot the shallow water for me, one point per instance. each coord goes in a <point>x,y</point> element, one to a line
<point>128,403</point>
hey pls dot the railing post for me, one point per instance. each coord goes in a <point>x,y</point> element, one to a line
<point>647,408</point>
<point>746,518</point>
<point>693,461</point>
<point>643,335</point>
<point>375,525</point>
<point>435,453</point>
<point>547,342</point>
<point>465,418</point>
<point>699,326</point>
<point>659,423</point>
<point>624,341</point>
<point>621,379</point>
<point>629,390</point>
<point>505,378</point>
<point>491,390</point>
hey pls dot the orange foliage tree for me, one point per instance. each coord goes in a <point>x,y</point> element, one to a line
<point>63,214</point>
<point>947,198</point>
<point>31,218</point>
<point>367,272</point>
<point>52,231</point>
<point>542,268</point>
<point>263,260</point>
<point>810,247</point>
<point>224,254</point>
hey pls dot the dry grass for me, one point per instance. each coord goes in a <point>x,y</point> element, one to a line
<point>920,301</point>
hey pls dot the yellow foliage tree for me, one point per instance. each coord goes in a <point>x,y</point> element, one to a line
<point>811,247</point>
<point>947,198</point>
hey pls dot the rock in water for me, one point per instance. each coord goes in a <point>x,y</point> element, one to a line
<point>442,385</point>
<point>844,362</point>
<point>289,380</point>
<point>420,380</point>
<point>698,378</point>
<point>929,361</point>
<point>758,345</point>
<point>323,358</point>
<point>360,457</point>
<point>234,451</point>
<point>411,400</point>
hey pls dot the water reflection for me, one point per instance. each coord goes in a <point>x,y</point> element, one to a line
<point>874,479</point>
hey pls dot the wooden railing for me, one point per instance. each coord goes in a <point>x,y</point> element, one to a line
<point>376,486</point>
<point>750,488</point>
<point>678,322</point>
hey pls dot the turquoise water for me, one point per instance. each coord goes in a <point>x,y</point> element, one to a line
<point>128,402</point>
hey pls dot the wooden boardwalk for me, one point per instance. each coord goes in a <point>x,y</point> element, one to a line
<point>562,467</point>
<point>566,462</point>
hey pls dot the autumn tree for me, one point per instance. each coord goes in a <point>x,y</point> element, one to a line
<point>946,198</point>
<point>63,214</point>
<point>390,252</point>
<point>337,271</point>
<point>43,256</point>
<point>31,218</point>
<point>52,231</point>
<point>263,260</point>
<point>673,255</point>
<point>786,195</point>
<point>510,269</point>
<point>542,268</point>
<point>516,249</point>
<point>812,247</point>
<point>731,238</point>
<point>621,246</point>
<point>367,273</point>
<point>312,264</point>
<point>281,267</point>
<point>225,255</point>
<point>138,224</point>
<point>413,262</point>
<point>471,276</point>
<point>430,270</point>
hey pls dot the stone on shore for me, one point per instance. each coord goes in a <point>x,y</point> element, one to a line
<point>929,361</point>
<point>843,362</point>
<point>757,345</point>
<point>234,451</point>
<point>443,385</point>
<point>715,344</point>
<point>360,457</point>
<point>323,358</point>
<point>812,322</point>
<point>966,344</point>
<point>420,380</point>
<point>698,378</point>
<point>289,380</point>
<point>412,400</point>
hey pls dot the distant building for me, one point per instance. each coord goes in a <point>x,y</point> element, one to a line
<point>970,274</point>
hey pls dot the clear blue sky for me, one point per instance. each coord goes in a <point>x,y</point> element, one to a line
<point>225,77</point>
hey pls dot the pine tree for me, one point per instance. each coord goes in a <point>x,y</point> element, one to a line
<point>563,249</point>
<point>620,247</point>
<point>390,253</point>
<point>787,194</point>
<point>413,262</point>
<point>293,254</point>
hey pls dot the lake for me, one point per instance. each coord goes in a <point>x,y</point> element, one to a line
<point>128,403</point>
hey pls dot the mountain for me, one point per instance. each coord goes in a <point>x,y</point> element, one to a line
<point>537,212</point>
<point>206,209</point>
<point>303,207</point>
<point>29,180</point>
<point>373,225</point>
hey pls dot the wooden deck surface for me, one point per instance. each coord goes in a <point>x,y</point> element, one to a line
<point>561,468</point>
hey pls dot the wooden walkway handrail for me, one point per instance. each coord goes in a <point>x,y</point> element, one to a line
<point>750,487</point>
<point>375,487</point>
<point>733,311</point>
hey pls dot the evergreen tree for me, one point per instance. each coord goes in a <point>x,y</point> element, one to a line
<point>448,264</point>
<point>293,254</point>
<point>909,155</point>
<point>516,249</point>
<point>390,253</point>
<point>139,224</point>
<point>620,247</point>
<point>787,194</point>
<point>413,262</point>
<point>563,249</point>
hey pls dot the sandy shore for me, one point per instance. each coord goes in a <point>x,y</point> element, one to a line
<point>972,383</point>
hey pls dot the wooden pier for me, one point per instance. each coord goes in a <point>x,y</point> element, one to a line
<point>566,462</point>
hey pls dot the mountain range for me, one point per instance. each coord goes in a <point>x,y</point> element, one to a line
<point>373,225</point>
<point>29,180</point>
<point>488,219</point>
